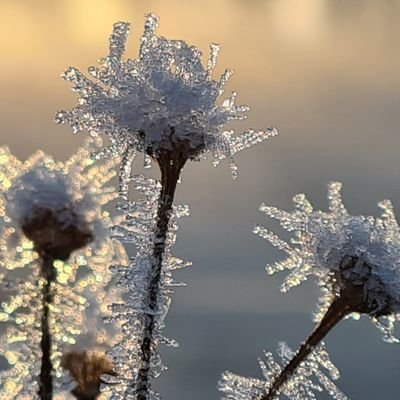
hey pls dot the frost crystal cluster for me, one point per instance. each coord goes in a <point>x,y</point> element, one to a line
<point>302,385</point>
<point>342,251</point>
<point>164,100</point>
<point>138,229</point>
<point>75,193</point>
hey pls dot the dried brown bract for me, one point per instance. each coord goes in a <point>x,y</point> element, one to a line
<point>52,236</point>
<point>86,369</point>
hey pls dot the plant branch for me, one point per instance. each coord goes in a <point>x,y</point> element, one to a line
<point>345,303</point>
<point>46,378</point>
<point>171,164</point>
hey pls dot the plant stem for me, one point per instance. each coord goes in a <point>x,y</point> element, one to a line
<point>170,166</point>
<point>339,308</point>
<point>46,377</point>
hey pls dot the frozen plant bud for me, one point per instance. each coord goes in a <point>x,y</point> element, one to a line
<point>86,369</point>
<point>163,102</point>
<point>351,256</point>
<point>54,204</point>
<point>42,203</point>
<point>53,236</point>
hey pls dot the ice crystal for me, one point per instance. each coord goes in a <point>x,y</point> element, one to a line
<point>309,379</point>
<point>342,251</point>
<point>76,192</point>
<point>164,100</point>
<point>139,229</point>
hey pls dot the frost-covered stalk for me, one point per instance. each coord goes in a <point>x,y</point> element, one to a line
<point>335,313</point>
<point>312,376</point>
<point>46,370</point>
<point>340,308</point>
<point>54,239</point>
<point>171,165</point>
<point>139,227</point>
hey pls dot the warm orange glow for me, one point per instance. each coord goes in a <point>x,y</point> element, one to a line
<point>290,49</point>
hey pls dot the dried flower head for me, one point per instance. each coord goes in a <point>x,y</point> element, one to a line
<point>86,369</point>
<point>354,258</point>
<point>53,236</point>
<point>165,101</point>
<point>52,204</point>
<point>51,207</point>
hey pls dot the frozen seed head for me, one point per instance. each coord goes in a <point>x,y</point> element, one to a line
<point>54,237</point>
<point>354,256</point>
<point>57,206</point>
<point>164,101</point>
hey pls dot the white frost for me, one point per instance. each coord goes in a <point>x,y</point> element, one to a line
<point>138,229</point>
<point>322,241</point>
<point>308,379</point>
<point>157,102</point>
<point>83,283</point>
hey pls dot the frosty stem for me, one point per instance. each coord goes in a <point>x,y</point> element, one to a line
<point>46,369</point>
<point>170,165</point>
<point>341,306</point>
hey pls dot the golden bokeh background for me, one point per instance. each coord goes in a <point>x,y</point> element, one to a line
<point>325,72</point>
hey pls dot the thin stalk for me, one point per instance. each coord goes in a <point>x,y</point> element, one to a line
<point>170,167</point>
<point>46,377</point>
<point>339,309</point>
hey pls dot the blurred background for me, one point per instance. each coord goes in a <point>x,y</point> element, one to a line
<point>326,73</point>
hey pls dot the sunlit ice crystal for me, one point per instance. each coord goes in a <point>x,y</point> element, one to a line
<point>313,376</point>
<point>138,229</point>
<point>165,100</point>
<point>83,283</point>
<point>346,253</point>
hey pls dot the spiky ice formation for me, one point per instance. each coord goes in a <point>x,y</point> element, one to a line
<point>76,192</point>
<point>138,229</point>
<point>164,100</point>
<point>314,375</point>
<point>342,251</point>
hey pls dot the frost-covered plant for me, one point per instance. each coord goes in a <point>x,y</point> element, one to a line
<point>355,259</point>
<point>165,105</point>
<point>307,380</point>
<point>137,229</point>
<point>55,253</point>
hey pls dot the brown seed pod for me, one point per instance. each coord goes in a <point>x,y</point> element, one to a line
<point>54,237</point>
<point>86,369</point>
